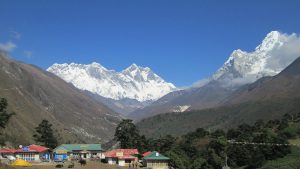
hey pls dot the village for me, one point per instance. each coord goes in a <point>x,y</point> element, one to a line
<point>149,84</point>
<point>81,155</point>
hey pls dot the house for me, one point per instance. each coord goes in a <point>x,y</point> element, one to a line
<point>146,153</point>
<point>121,157</point>
<point>5,152</point>
<point>70,151</point>
<point>33,153</point>
<point>155,160</point>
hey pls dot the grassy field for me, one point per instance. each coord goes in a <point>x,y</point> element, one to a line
<point>295,141</point>
<point>89,165</point>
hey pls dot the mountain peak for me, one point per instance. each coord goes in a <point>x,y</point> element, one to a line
<point>134,82</point>
<point>270,41</point>
<point>134,67</point>
<point>273,34</point>
<point>245,67</point>
<point>96,64</point>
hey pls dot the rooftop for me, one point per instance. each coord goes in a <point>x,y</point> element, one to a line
<point>7,150</point>
<point>156,156</point>
<point>32,148</point>
<point>79,147</point>
<point>147,153</point>
<point>122,153</point>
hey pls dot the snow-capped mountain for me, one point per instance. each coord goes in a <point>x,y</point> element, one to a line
<point>268,59</point>
<point>274,54</point>
<point>135,82</point>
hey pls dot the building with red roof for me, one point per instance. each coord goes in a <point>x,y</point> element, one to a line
<point>33,152</point>
<point>32,148</point>
<point>7,150</point>
<point>121,157</point>
<point>4,152</point>
<point>147,153</point>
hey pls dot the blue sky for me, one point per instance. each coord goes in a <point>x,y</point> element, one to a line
<point>182,41</point>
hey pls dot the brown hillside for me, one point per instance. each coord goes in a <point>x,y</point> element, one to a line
<point>34,94</point>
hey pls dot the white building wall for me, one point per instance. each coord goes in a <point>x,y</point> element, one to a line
<point>101,155</point>
<point>25,156</point>
<point>111,161</point>
<point>37,158</point>
<point>121,162</point>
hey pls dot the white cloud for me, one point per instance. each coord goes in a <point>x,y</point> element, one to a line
<point>28,54</point>
<point>8,46</point>
<point>284,55</point>
<point>200,83</point>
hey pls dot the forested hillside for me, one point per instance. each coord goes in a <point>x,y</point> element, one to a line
<point>264,144</point>
<point>266,99</point>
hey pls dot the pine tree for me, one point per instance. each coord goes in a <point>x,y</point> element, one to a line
<point>127,134</point>
<point>44,134</point>
<point>4,116</point>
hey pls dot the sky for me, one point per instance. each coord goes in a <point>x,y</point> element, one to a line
<point>181,41</point>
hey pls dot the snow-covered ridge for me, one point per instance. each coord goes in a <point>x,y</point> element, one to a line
<point>268,59</point>
<point>135,82</point>
<point>180,109</point>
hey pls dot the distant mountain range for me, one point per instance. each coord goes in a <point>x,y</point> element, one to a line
<point>84,102</point>
<point>137,92</point>
<point>125,91</point>
<point>135,82</point>
<point>34,94</point>
<point>267,98</point>
<point>275,53</point>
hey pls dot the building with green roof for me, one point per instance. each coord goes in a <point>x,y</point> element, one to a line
<point>155,160</point>
<point>75,151</point>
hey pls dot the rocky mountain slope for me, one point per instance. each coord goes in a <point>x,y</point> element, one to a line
<point>123,106</point>
<point>275,53</point>
<point>243,67</point>
<point>284,85</point>
<point>267,98</point>
<point>207,96</point>
<point>34,94</point>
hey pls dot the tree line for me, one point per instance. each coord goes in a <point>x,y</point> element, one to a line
<point>201,149</point>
